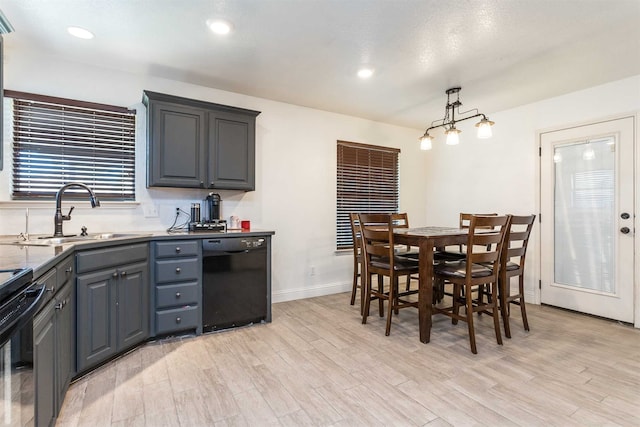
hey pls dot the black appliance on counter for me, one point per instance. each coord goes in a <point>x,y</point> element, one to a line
<point>210,220</point>
<point>234,282</point>
<point>20,299</point>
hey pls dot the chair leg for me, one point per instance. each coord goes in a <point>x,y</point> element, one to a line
<point>456,303</point>
<point>494,310</point>
<point>381,290</point>
<point>393,290</point>
<point>522,308</point>
<point>363,294</point>
<point>366,291</point>
<point>395,302</point>
<point>472,334</point>
<point>438,290</point>
<point>503,295</point>
<point>354,286</point>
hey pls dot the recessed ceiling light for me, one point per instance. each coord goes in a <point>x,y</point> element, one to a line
<point>219,26</point>
<point>365,73</point>
<point>80,33</point>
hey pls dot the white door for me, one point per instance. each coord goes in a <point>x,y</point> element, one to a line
<point>587,218</point>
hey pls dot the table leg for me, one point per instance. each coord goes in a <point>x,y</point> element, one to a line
<point>425,293</point>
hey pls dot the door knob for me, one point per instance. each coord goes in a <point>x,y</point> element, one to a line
<point>625,230</point>
<point>624,215</point>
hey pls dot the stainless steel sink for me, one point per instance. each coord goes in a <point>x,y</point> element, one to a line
<point>56,241</point>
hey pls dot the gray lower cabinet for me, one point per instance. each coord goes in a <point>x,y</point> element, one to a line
<point>53,343</point>
<point>112,302</point>
<point>44,339</point>
<point>198,144</point>
<point>176,291</point>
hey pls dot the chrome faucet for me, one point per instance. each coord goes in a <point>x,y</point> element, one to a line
<point>59,218</point>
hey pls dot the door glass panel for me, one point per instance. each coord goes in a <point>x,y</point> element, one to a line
<point>584,211</point>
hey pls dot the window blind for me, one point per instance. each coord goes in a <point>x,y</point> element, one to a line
<point>367,181</point>
<point>57,141</point>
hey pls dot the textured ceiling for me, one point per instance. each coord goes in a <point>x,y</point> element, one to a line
<point>503,53</point>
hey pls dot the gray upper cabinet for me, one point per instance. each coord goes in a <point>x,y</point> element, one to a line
<point>197,144</point>
<point>177,146</point>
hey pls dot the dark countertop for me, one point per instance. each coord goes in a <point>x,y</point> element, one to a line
<point>42,258</point>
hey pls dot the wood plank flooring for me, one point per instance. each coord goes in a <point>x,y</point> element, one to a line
<point>317,365</point>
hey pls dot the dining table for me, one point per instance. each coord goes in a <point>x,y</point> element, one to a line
<point>427,239</point>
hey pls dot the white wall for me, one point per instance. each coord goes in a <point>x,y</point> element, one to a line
<point>295,172</point>
<point>459,176</point>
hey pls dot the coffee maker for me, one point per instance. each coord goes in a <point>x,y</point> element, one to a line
<point>211,216</point>
<point>212,207</point>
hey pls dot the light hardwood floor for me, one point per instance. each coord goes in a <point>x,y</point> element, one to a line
<point>317,365</point>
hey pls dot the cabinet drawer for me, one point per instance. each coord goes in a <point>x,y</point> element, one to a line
<point>49,281</point>
<point>176,319</point>
<point>176,248</point>
<point>110,257</point>
<point>177,270</point>
<point>172,295</point>
<point>64,271</point>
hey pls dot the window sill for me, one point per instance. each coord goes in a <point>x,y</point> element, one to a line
<point>51,204</point>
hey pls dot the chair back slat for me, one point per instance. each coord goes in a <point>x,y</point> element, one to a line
<point>377,233</point>
<point>377,240</point>
<point>517,239</point>
<point>355,233</point>
<point>465,218</point>
<point>485,247</point>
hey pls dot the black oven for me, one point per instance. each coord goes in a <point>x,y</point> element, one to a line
<point>19,301</point>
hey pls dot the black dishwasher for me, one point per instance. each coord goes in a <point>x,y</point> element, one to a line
<point>234,282</point>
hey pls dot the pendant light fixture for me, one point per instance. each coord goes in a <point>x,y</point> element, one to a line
<point>449,121</point>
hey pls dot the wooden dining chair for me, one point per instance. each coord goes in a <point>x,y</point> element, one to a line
<point>381,258</point>
<point>444,254</point>
<point>401,220</point>
<point>512,265</point>
<point>357,260</point>
<point>478,270</point>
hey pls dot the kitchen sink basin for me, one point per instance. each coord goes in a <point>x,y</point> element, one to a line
<point>55,241</point>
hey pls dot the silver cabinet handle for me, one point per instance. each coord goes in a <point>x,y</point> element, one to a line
<point>178,320</point>
<point>178,249</point>
<point>178,270</point>
<point>123,273</point>
<point>178,295</point>
<point>115,274</point>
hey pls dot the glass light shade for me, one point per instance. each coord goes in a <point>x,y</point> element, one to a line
<point>588,153</point>
<point>80,33</point>
<point>452,136</point>
<point>219,26</point>
<point>426,142</point>
<point>365,73</point>
<point>484,128</point>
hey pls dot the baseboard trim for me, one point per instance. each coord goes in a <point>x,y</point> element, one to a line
<point>336,288</point>
<point>315,291</point>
